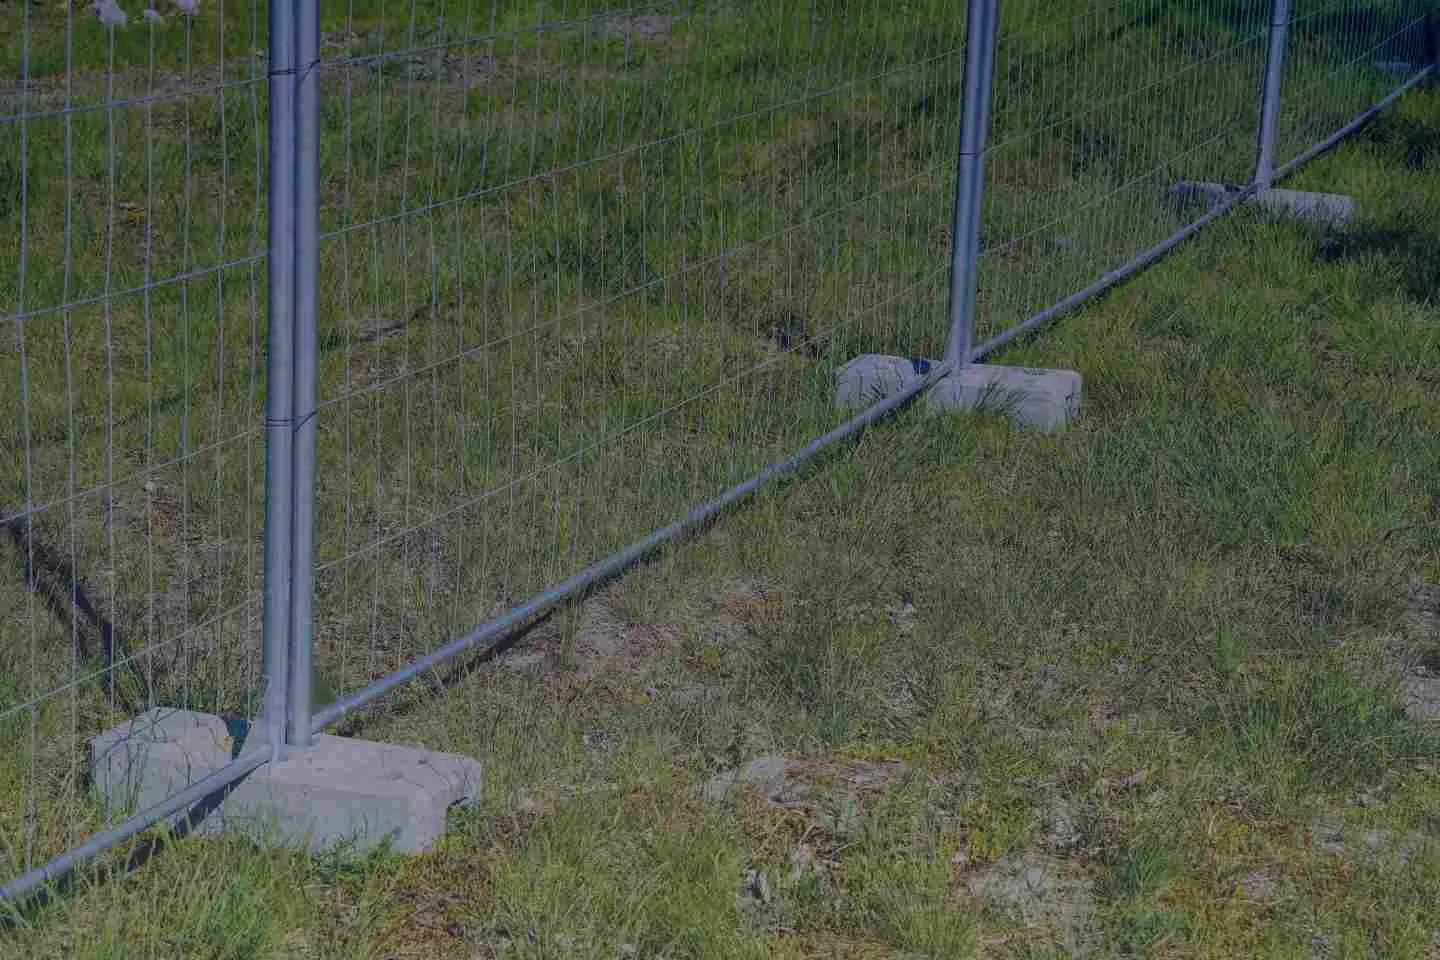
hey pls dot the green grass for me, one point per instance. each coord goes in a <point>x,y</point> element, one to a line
<point>1179,623</point>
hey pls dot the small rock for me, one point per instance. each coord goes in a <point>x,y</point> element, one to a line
<point>1420,695</point>
<point>1423,609</point>
<point>767,774</point>
<point>110,13</point>
<point>902,614</point>
<point>598,741</point>
<point>1063,832</point>
<point>756,887</point>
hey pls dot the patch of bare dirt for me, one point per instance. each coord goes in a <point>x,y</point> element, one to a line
<point>602,643</point>
<point>1038,889</point>
<point>129,88</point>
<point>653,28</point>
<point>799,783</point>
<point>740,608</point>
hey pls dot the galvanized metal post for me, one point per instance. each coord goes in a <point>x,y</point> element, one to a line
<point>1270,93</point>
<point>279,377</point>
<point>307,277</point>
<point>982,28</point>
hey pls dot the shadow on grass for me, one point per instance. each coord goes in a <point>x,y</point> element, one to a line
<point>1407,247</point>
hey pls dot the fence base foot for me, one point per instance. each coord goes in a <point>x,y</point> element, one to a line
<point>1322,209</point>
<point>340,791</point>
<point>1044,400</point>
<point>159,753</point>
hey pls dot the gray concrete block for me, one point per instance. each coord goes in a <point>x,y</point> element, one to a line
<point>351,791</point>
<point>1045,400</point>
<point>341,790</point>
<point>872,377</point>
<point>159,753</point>
<point>1324,209</point>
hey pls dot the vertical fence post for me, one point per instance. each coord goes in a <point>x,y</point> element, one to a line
<point>279,375</point>
<point>1270,93</point>
<point>982,29</point>
<point>307,274</point>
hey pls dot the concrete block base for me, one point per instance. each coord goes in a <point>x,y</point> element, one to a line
<point>1044,400</point>
<point>1323,209</point>
<point>339,791</point>
<point>872,377</point>
<point>159,753</point>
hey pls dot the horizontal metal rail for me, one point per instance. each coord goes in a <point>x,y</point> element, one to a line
<point>28,884</point>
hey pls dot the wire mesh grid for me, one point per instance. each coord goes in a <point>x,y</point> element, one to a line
<point>130,178</point>
<point>584,267</point>
<point>1100,109</point>
<point>1344,55</point>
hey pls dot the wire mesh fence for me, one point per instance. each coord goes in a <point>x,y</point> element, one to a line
<point>1100,110</point>
<point>130,168</point>
<point>587,267</point>
<point>1342,56</point>
<point>576,268</point>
